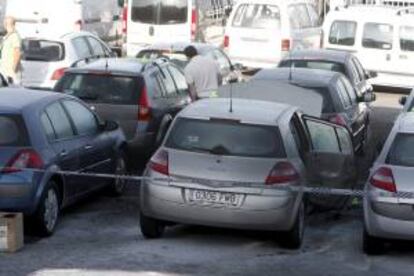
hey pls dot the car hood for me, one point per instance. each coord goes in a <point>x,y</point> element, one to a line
<point>309,101</point>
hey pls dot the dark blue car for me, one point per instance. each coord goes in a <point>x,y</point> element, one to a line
<point>53,132</point>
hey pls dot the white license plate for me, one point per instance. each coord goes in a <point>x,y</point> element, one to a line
<point>205,197</point>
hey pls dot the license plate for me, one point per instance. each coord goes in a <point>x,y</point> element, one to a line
<point>204,197</point>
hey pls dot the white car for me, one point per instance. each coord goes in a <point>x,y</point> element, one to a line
<point>259,33</point>
<point>46,58</point>
<point>382,37</point>
<point>388,212</point>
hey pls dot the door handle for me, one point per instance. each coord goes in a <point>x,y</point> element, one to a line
<point>88,147</point>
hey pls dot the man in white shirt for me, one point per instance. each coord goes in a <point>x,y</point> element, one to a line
<point>202,74</point>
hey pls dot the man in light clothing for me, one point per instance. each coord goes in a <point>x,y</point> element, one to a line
<point>202,74</point>
<point>11,52</point>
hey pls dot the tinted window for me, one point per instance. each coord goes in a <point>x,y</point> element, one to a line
<point>407,38</point>
<point>343,33</point>
<point>226,138</point>
<point>402,151</point>
<point>47,126</point>
<point>83,119</point>
<point>60,121</point>
<point>315,64</point>
<point>81,47</point>
<point>179,79</point>
<point>377,36</point>
<point>343,94</point>
<point>168,83</point>
<point>12,131</point>
<point>42,50</point>
<point>323,137</point>
<point>159,11</point>
<point>101,88</point>
<point>97,48</point>
<point>257,16</point>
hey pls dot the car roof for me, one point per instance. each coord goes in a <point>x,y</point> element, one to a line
<point>15,100</point>
<point>112,65</point>
<point>244,110</point>
<point>320,54</point>
<point>299,76</point>
<point>180,46</point>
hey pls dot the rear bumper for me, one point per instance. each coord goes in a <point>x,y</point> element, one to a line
<point>17,197</point>
<point>257,211</point>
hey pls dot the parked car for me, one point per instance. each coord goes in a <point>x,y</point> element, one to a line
<point>341,104</point>
<point>142,97</point>
<point>259,33</point>
<point>388,215</point>
<point>154,21</point>
<point>175,53</point>
<point>331,60</point>
<point>382,37</point>
<point>220,166</point>
<point>53,132</point>
<point>46,18</point>
<point>45,59</point>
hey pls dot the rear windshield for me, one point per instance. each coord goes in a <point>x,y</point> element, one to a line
<point>402,151</point>
<point>226,138</point>
<point>327,105</point>
<point>161,12</point>
<point>343,33</point>
<point>315,64</point>
<point>42,50</point>
<point>101,88</point>
<point>257,16</point>
<point>13,131</point>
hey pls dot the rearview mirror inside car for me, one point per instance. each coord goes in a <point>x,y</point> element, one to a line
<point>402,100</point>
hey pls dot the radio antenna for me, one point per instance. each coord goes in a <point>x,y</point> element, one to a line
<point>290,66</point>
<point>231,97</point>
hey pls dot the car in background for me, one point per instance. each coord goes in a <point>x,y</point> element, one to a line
<point>175,53</point>
<point>142,97</point>
<point>341,104</point>
<point>259,33</point>
<point>45,59</point>
<point>388,211</point>
<point>382,37</point>
<point>154,21</point>
<point>42,134</point>
<point>221,164</point>
<point>331,60</point>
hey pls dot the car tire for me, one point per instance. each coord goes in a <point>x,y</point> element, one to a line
<point>48,211</point>
<point>293,238</point>
<point>118,185</point>
<point>151,228</point>
<point>372,245</point>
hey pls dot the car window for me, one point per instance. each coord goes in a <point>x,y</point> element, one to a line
<point>350,90</point>
<point>377,36</point>
<point>60,121</point>
<point>353,72</point>
<point>344,141</point>
<point>168,83</point>
<point>84,120</point>
<point>222,60</point>
<point>359,68</point>
<point>323,137</point>
<point>343,94</point>
<point>313,15</point>
<point>257,16</point>
<point>343,33</point>
<point>298,135</point>
<point>407,38</point>
<point>402,151</point>
<point>42,50</point>
<point>97,47</point>
<point>226,138</point>
<point>47,126</point>
<point>81,47</point>
<point>13,131</point>
<point>179,79</point>
<point>165,12</point>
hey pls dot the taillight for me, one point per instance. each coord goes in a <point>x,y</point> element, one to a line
<point>194,19</point>
<point>383,179</point>
<point>24,159</point>
<point>285,44</point>
<point>282,172</point>
<point>338,119</point>
<point>226,42</point>
<point>78,25</point>
<point>58,74</point>
<point>159,162</point>
<point>125,19</point>
<point>144,112</point>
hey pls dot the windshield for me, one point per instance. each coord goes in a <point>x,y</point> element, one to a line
<point>224,137</point>
<point>257,16</point>
<point>402,151</point>
<point>12,131</point>
<point>314,64</point>
<point>42,50</point>
<point>159,12</point>
<point>101,88</point>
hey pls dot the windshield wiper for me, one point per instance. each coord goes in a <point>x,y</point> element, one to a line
<point>217,150</point>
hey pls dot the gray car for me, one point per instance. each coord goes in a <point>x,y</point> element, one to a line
<point>221,164</point>
<point>386,214</point>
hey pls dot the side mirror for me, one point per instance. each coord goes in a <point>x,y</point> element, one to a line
<point>116,52</point>
<point>109,126</point>
<point>371,74</point>
<point>403,100</point>
<point>369,97</point>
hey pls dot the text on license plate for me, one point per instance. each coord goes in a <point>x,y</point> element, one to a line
<point>212,197</point>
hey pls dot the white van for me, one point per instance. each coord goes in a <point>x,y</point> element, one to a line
<point>381,37</point>
<point>260,33</point>
<point>39,18</point>
<point>156,21</point>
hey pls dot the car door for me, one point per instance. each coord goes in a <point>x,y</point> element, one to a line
<point>96,147</point>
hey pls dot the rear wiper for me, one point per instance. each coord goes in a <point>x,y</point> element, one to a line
<point>217,150</point>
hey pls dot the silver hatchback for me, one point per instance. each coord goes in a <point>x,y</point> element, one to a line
<point>235,167</point>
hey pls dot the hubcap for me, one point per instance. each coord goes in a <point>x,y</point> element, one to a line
<point>51,209</point>
<point>120,170</point>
